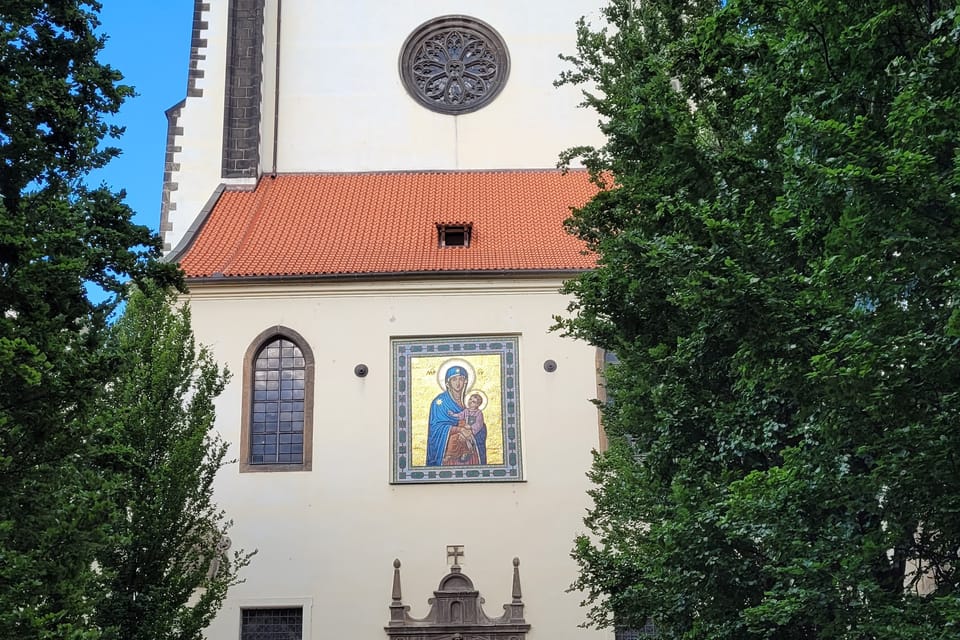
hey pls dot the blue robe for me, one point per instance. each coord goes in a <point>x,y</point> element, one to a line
<point>481,438</point>
<point>438,427</point>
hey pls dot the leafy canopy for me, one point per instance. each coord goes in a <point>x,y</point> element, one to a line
<point>57,235</point>
<point>166,569</point>
<point>777,274</point>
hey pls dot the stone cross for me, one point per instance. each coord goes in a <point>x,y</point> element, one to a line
<point>455,551</point>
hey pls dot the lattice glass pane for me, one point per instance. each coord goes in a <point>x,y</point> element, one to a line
<point>277,404</point>
<point>271,624</point>
<point>649,630</point>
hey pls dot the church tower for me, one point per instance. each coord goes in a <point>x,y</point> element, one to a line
<point>365,201</point>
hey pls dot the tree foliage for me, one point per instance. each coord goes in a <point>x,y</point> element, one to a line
<point>57,235</point>
<point>166,570</point>
<point>778,246</point>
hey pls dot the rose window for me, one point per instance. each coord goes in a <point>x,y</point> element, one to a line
<point>454,64</point>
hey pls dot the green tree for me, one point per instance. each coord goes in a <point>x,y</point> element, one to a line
<point>778,246</point>
<point>57,235</point>
<point>167,569</point>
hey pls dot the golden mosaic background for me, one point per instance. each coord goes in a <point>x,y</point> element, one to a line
<point>424,388</point>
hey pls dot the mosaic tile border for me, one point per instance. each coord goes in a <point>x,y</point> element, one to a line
<point>403,351</point>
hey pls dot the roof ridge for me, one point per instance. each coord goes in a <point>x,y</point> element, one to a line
<point>396,172</point>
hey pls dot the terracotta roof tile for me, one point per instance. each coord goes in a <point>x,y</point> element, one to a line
<point>369,223</point>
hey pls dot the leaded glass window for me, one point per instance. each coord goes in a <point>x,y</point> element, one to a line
<point>648,630</point>
<point>278,404</point>
<point>271,624</point>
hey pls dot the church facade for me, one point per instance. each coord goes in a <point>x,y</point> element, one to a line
<point>365,201</point>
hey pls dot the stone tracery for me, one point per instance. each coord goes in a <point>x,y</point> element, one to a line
<point>454,64</point>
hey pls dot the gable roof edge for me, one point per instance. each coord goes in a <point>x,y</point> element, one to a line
<point>194,230</point>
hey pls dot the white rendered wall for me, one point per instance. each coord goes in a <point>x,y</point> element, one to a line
<point>342,106</point>
<point>327,538</point>
<point>198,161</point>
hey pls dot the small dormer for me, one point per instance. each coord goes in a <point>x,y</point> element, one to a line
<point>454,234</point>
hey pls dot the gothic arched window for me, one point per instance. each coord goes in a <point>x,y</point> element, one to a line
<point>278,403</point>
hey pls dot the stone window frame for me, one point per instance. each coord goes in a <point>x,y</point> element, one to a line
<point>271,610</point>
<point>246,418</point>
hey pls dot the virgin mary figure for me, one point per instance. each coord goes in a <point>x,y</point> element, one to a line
<point>441,420</point>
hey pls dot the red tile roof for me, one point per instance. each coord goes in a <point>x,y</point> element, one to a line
<point>380,223</point>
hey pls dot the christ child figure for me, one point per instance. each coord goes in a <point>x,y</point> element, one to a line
<point>470,424</point>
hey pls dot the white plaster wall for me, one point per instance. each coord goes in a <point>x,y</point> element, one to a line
<point>343,106</point>
<point>201,141</point>
<point>326,538</point>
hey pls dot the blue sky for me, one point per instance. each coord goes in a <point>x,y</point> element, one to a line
<point>149,42</point>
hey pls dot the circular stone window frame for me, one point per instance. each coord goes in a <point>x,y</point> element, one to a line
<point>492,39</point>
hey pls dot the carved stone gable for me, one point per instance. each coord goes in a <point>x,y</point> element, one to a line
<point>456,612</point>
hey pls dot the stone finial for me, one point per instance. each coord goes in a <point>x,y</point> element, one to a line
<point>514,610</point>
<point>516,581</point>
<point>397,598</point>
<point>398,611</point>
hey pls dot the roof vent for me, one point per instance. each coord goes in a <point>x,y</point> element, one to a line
<point>454,234</point>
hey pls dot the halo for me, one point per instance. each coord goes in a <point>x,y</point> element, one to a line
<point>483,398</point>
<point>454,362</point>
